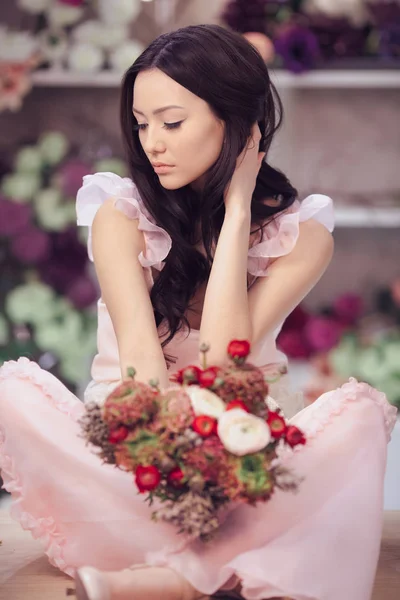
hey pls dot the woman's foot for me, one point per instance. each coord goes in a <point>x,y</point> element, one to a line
<point>142,582</point>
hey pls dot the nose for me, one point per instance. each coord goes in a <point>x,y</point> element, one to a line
<point>152,141</point>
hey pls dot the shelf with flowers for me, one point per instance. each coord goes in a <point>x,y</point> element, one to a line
<point>78,40</point>
<point>301,35</point>
<point>47,293</point>
<point>346,340</point>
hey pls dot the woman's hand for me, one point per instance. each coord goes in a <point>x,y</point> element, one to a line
<point>240,189</point>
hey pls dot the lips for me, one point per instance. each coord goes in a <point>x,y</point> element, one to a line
<point>161,169</point>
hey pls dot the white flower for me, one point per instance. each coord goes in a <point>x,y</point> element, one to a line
<point>34,7</point>
<point>53,45</point>
<point>118,12</point>
<point>124,56</point>
<point>271,404</point>
<point>99,34</point>
<point>354,10</point>
<point>51,213</point>
<point>205,402</point>
<point>4,331</point>
<point>17,46</point>
<point>85,58</point>
<point>53,146</point>
<point>30,303</point>
<point>21,186</point>
<point>113,165</point>
<point>243,433</point>
<point>28,160</point>
<point>62,15</point>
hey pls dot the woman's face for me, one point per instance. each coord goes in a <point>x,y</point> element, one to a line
<point>176,128</point>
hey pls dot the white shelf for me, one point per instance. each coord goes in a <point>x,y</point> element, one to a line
<point>365,78</point>
<point>283,79</point>
<point>359,216</point>
<point>53,78</point>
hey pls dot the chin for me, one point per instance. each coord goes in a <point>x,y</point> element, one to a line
<point>172,183</point>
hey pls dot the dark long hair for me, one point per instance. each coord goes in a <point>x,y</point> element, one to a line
<point>226,71</point>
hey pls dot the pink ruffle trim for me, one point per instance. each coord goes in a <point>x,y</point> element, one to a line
<point>43,529</point>
<point>281,234</point>
<point>97,189</point>
<point>332,404</point>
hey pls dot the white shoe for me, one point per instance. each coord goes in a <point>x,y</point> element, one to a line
<point>91,585</point>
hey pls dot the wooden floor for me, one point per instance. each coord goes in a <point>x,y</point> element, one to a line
<point>30,577</point>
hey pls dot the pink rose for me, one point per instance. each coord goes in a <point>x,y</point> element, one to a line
<point>293,344</point>
<point>296,320</point>
<point>72,2</point>
<point>348,308</point>
<point>395,289</point>
<point>323,333</point>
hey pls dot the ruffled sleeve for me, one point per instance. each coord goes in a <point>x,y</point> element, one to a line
<point>99,187</point>
<point>280,235</point>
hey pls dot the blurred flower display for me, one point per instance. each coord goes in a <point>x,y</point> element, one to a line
<point>47,292</point>
<point>347,340</point>
<point>19,55</point>
<point>319,33</point>
<point>85,36</point>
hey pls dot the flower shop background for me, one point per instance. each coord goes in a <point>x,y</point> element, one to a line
<point>336,65</point>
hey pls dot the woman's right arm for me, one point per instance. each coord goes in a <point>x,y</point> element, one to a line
<point>117,242</point>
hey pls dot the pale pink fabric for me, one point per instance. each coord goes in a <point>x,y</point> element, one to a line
<point>279,238</point>
<point>320,544</point>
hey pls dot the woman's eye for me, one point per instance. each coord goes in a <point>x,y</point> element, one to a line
<point>173,125</point>
<point>143,126</point>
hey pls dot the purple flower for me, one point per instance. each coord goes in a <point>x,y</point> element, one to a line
<point>69,176</point>
<point>338,38</point>
<point>322,333</point>
<point>389,45</point>
<point>83,292</point>
<point>32,246</point>
<point>67,261</point>
<point>14,217</point>
<point>245,15</point>
<point>298,47</point>
<point>385,12</point>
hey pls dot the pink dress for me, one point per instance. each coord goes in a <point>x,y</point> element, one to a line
<point>319,544</point>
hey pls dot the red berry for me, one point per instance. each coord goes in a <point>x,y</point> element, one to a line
<point>118,435</point>
<point>204,425</point>
<point>237,404</point>
<point>277,424</point>
<point>207,377</point>
<point>294,436</point>
<point>239,348</point>
<point>188,375</point>
<point>176,477</point>
<point>147,478</point>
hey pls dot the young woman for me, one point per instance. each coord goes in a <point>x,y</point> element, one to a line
<point>206,243</point>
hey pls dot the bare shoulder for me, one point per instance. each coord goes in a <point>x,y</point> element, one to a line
<point>315,237</point>
<point>114,224</point>
<point>313,250</point>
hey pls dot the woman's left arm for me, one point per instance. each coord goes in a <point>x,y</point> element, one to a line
<point>230,311</point>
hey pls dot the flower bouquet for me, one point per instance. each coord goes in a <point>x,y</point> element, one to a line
<point>209,440</point>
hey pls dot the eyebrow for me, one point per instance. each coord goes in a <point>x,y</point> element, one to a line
<point>158,110</point>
